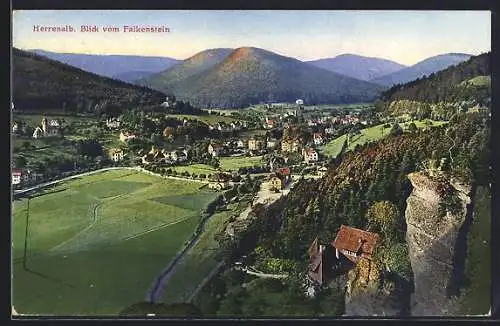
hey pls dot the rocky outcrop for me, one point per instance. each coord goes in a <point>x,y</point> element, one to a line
<point>432,237</point>
<point>370,293</point>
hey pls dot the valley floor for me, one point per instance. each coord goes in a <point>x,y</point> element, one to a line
<point>96,243</point>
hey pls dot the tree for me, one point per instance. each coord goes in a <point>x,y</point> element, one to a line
<point>383,216</point>
<point>396,130</point>
<point>20,162</point>
<point>89,147</point>
<point>398,261</point>
<point>412,127</point>
<point>26,145</point>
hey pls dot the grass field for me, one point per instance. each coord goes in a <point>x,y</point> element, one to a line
<point>200,260</point>
<point>334,147</point>
<point>96,245</point>
<point>478,81</point>
<point>367,135</point>
<point>234,163</point>
<point>195,168</point>
<point>476,299</point>
<point>226,163</point>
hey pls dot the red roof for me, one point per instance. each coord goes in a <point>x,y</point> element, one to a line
<point>16,172</point>
<point>355,240</point>
<point>284,171</point>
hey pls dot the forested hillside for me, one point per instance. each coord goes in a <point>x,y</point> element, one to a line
<point>450,85</point>
<point>44,84</point>
<point>422,68</point>
<point>373,172</point>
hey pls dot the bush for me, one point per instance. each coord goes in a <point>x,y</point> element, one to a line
<point>398,260</point>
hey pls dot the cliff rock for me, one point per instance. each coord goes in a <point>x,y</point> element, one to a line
<point>370,293</point>
<point>432,237</point>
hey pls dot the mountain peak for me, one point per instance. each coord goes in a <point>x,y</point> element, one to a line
<point>241,53</point>
<point>208,54</point>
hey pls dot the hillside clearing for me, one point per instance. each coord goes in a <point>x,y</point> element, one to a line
<point>371,134</point>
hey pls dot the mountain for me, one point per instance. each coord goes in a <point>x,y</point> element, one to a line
<point>359,67</point>
<point>132,76</point>
<point>422,68</point>
<point>40,83</point>
<point>465,81</point>
<point>252,75</point>
<point>196,64</point>
<point>111,65</point>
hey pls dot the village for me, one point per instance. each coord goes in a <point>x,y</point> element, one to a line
<point>273,139</point>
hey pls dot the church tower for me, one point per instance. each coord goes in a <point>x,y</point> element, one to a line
<point>45,126</point>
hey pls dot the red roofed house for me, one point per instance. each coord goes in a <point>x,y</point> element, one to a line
<point>354,243</point>
<point>269,123</point>
<point>280,178</point>
<point>16,177</point>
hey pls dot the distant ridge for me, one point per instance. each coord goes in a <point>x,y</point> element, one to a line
<point>357,66</point>
<point>422,68</point>
<point>112,66</point>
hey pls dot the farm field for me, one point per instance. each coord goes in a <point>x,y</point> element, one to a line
<point>370,134</point>
<point>96,244</point>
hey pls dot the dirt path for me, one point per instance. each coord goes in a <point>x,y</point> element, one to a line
<point>205,280</point>
<point>155,294</point>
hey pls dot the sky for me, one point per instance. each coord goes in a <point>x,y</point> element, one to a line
<point>402,36</point>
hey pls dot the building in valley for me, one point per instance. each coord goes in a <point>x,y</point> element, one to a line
<point>116,155</point>
<point>290,146</point>
<point>310,155</point>
<point>219,181</point>
<point>255,144</point>
<point>322,171</point>
<point>38,133</point>
<point>126,136</point>
<point>215,149</point>
<point>280,179</point>
<point>318,139</point>
<point>16,177</point>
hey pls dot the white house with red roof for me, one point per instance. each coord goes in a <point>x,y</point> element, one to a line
<point>16,177</point>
